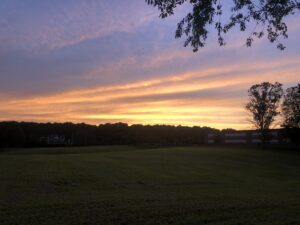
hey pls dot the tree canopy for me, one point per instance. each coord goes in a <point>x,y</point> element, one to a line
<point>264,102</point>
<point>291,107</point>
<point>266,17</point>
<point>24,134</point>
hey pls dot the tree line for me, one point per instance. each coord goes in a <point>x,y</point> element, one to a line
<point>24,134</point>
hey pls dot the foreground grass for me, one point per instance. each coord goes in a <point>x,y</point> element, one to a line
<point>124,185</point>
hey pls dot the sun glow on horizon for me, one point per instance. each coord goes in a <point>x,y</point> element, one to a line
<point>79,62</point>
<point>196,98</point>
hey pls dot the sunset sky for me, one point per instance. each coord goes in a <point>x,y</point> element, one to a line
<point>101,61</point>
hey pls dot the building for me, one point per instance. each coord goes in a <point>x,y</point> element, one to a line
<point>253,137</point>
<point>56,139</point>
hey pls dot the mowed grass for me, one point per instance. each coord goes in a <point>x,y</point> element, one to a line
<point>128,186</point>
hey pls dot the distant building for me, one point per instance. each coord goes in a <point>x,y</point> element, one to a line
<point>247,137</point>
<point>236,138</point>
<point>211,139</point>
<point>56,139</point>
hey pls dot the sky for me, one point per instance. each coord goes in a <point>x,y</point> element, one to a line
<point>101,61</point>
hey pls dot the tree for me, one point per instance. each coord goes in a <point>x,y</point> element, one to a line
<point>266,16</point>
<point>264,101</point>
<point>11,135</point>
<point>291,113</point>
<point>291,107</point>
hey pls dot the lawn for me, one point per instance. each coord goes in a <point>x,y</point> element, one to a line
<point>129,186</point>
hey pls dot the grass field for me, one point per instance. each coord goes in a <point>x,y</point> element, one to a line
<point>129,186</point>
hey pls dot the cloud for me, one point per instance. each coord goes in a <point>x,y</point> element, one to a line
<point>110,61</point>
<point>41,25</point>
<point>211,97</point>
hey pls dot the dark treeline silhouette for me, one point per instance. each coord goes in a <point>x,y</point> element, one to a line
<point>26,134</point>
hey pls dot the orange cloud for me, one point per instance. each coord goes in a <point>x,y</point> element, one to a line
<point>212,97</point>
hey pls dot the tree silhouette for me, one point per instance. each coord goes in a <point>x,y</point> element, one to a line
<point>264,100</point>
<point>267,17</point>
<point>291,107</point>
<point>15,134</point>
<point>291,113</point>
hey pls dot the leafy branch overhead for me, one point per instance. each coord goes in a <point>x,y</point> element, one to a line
<point>267,17</point>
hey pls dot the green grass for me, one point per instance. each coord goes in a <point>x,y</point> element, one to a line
<point>128,186</point>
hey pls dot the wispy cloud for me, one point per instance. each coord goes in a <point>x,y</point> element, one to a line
<point>50,25</point>
<point>212,97</point>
